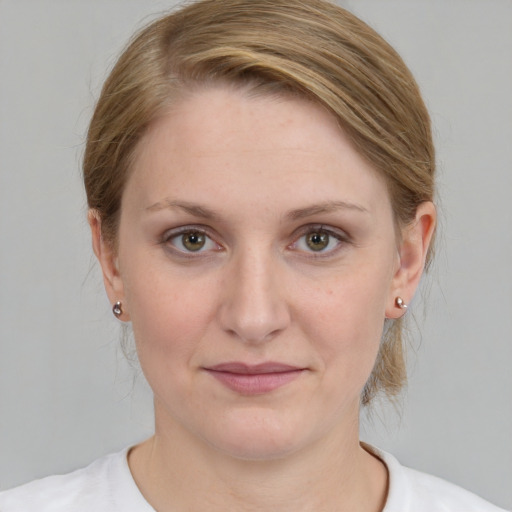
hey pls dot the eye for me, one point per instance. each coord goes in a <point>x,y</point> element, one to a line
<point>191,241</point>
<point>319,240</point>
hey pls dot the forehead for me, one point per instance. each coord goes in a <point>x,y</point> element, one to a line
<point>219,143</point>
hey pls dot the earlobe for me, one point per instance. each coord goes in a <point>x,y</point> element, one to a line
<point>413,250</point>
<point>107,259</point>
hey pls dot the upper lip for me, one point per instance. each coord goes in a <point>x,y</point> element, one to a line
<point>253,369</point>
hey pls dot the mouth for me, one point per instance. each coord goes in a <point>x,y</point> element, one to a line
<point>254,379</point>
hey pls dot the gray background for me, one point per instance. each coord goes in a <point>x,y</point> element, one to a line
<point>67,394</point>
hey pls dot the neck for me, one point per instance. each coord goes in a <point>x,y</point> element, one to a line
<point>175,471</point>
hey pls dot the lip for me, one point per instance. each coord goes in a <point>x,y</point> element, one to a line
<point>256,379</point>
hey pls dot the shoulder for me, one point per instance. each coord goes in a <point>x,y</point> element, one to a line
<point>444,495</point>
<point>414,491</point>
<point>105,485</point>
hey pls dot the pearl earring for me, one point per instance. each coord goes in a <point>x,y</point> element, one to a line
<point>117,309</point>
<point>400,303</point>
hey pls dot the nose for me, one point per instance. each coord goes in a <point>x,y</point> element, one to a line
<point>254,308</point>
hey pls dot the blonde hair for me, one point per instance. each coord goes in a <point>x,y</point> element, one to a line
<point>310,48</point>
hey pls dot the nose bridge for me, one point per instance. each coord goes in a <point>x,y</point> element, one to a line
<point>254,306</point>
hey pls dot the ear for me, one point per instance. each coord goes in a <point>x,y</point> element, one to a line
<point>412,253</point>
<point>107,258</point>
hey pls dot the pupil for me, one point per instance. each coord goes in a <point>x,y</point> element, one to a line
<point>193,241</point>
<point>318,241</point>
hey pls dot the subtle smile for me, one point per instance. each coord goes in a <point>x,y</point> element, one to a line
<point>254,379</point>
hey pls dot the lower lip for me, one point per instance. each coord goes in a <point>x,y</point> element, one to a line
<point>255,384</point>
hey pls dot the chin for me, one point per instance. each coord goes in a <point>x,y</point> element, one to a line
<point>259,437</point>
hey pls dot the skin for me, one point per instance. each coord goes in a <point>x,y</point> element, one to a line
<point>255,176</point>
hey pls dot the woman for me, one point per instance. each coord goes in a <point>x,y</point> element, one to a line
<point>260,177</point>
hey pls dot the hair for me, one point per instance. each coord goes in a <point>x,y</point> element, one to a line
<point>309,48</point>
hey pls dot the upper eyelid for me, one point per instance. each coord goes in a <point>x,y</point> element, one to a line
<point>191,228</point>
<point>331,230</point>
<point>170,234</point>
<point>339,233</point>
<point>342,237</point>
<point>297,232</point>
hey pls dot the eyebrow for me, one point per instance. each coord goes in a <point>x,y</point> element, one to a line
<point>327,207</point>
<point>192,208</point>
<point>297,214</point>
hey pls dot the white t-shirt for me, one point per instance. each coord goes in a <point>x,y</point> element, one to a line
<point>108,486</point>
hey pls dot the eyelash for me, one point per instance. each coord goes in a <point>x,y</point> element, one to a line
<point>341,237</point>
<point>180,232</point>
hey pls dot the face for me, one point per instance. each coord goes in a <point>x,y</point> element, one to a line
<point>257,261</point>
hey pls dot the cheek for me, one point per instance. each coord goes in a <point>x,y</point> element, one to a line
<point>346,320</point>
<point>170,314</point>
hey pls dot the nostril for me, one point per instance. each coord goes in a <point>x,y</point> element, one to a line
<point>253,307</point>
<point>252,324</point>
